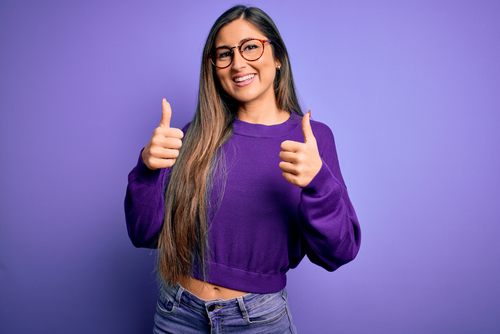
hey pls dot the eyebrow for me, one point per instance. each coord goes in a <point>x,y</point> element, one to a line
<point>227,46</point>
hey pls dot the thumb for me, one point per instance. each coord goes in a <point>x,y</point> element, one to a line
<point>166,114</point>
<point>306,128</point>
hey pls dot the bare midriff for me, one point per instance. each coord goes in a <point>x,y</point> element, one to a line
<point>208,291</point>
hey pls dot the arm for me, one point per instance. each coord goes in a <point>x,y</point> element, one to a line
<point>144,204</point>
<point>329,223</point>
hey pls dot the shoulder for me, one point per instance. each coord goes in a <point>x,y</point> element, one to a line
<point>323,134</point>
<point>321,129</point>
<point>324,138</point>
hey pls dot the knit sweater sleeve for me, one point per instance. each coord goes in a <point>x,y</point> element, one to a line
<point>144,204</point>
<point>329,224</point>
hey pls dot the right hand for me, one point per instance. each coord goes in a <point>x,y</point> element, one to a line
<point>163,147</point>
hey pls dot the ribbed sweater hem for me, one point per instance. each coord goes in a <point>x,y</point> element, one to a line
<point>242,280</point>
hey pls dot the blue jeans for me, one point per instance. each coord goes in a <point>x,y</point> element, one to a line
<point>179,311</point>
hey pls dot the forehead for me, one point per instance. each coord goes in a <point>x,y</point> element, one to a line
<point>233,33</point>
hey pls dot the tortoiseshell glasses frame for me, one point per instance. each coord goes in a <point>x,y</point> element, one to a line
<point>225,52</point>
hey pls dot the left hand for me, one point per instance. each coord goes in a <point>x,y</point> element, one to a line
<point>301,161</point>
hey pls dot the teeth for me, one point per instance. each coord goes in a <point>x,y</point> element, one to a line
<point>246,77</point>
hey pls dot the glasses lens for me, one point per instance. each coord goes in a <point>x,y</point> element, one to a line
<point>252,49</point>
<point>223,57</point>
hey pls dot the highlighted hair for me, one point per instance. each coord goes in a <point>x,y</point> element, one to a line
<point>183,239</point>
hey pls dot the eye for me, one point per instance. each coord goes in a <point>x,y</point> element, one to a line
<point>250,47</point>
<point>223,53</point>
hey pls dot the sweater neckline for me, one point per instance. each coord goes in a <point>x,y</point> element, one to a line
<point>267,131</point>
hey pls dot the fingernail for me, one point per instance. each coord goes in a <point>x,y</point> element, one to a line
<point>309,113</point>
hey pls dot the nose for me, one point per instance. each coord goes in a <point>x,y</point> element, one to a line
<point>239,62</point>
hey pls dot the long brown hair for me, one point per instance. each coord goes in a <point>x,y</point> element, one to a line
<point>184,234</point>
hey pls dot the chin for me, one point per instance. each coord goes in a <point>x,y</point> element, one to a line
<point>243,98</point>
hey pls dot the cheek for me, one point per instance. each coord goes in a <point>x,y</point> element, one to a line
<point>223,79</point>
<point>270,73</point>
<point>270,68</point>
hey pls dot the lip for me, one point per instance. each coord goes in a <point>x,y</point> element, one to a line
<point>246,82</point>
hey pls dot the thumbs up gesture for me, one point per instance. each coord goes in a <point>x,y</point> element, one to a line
<point>301,161</point>
<point>163,147</point>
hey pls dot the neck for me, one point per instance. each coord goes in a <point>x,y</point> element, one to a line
<point>258,113</point>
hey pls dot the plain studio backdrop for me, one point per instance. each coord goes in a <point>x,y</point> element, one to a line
<point>411,90</point>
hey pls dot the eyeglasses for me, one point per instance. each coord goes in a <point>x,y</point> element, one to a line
<point>251,50</point>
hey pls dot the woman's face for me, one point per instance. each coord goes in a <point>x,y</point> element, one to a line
<point>247,81</point>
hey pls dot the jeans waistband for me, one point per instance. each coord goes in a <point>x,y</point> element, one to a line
<point>221,306</point>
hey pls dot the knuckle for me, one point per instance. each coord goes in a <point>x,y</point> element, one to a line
<point>155,140</point>
<point>157,132</point>
<point>172,143</point>
<point>171,154</point>
<point>177,143</point>
<point>174,133</point>
<point>153,151</point>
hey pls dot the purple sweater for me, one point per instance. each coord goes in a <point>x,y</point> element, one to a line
<point>263,225</point>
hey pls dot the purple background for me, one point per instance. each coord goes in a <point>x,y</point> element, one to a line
<point>411,90</point>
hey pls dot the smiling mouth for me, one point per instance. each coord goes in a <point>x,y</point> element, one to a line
<point>244,78</point>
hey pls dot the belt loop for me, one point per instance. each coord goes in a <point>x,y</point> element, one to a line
<point>179,294</point>
<point>243,309</point>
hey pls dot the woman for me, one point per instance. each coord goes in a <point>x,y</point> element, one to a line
<point>242,193</point>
